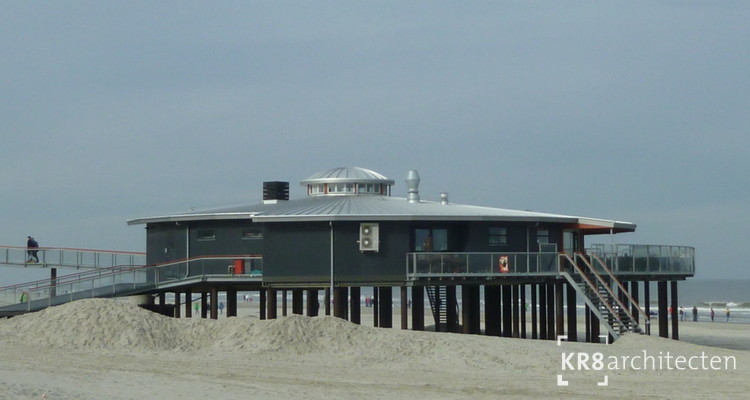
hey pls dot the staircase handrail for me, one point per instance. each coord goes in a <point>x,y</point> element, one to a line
<point>615,334</point>
<point>79,276</point>
<point>621,288</point>
<point>611,292</point>
<point>591,285</point>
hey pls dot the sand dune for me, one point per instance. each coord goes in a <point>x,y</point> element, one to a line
<point>97,348</point>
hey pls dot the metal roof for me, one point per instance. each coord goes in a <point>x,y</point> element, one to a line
<point>380,208</point>
<point>346,175</point>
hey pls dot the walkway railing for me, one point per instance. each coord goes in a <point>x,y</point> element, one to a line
<point>68,257</point>
<point>123,281</point>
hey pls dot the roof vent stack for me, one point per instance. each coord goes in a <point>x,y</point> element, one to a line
<point>412,182</point>
<point>444,198</point>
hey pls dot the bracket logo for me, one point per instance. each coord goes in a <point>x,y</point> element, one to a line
<point>580,361</point>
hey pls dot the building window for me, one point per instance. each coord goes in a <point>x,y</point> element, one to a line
<point>431,240</point>
<point>542,236</point>
<point>498,236</point>
<point>252,234</point>
<point>340,188</point>
<point>206,234</point>
<point>317,189</point>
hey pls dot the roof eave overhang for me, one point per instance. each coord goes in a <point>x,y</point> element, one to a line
<point>192,217</point>
<point>325,218</point>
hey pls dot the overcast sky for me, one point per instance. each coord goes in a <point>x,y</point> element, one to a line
<point>635,111</point>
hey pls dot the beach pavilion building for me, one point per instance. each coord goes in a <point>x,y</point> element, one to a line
<point>514,270</point>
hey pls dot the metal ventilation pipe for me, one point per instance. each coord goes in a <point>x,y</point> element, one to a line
<point>444,198</point>
<point>412,182</point>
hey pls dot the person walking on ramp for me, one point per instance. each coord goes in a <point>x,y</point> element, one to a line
<point>32,249</point>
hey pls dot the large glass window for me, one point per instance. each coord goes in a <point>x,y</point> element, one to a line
<point>430,239</point>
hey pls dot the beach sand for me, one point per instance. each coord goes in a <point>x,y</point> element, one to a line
<point>107,349</point>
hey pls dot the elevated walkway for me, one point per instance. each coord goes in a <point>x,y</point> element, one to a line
<point>61,257</point>
<point>119,281</point>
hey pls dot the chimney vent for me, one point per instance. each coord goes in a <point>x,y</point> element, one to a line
<point>412,182</point>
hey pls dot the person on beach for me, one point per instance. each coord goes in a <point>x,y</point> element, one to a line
<point>682,313</point>
<point>221,307</point>
<point>727,314</point>
<point>695,313</point>
<point>32,249</point>
<point>712,314</point>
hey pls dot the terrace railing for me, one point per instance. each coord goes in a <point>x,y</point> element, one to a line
<point>622,260</point>
<point>639,259</point>
<point>436,265</point>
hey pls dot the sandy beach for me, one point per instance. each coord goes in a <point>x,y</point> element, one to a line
<point>94,349</point>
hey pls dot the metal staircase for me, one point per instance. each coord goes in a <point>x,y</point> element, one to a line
<point>598,294</point>
<point>438,296</point>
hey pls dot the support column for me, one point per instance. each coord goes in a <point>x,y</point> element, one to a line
<point>188,304</point>
<point>647,304</point>
<point>162,298</point>
<point>417,308</point>
<point>231,302</point>
<point>297,303</point>
<point>327,299</point>
<point>522,288</point>
<point>507,306</point>
<point>214,303</point>
<point>675,304</point>
<point>551,311</point>
<point>271,303</point>
<point>492,310</point>
<point>283,302</point>
<point>312,303</point>
<point>572,314</point>
<point>595,327</point>
<point>559,312</point>
<point>340,300</point>
<point>52,282</point>
<point>177,298</point>
<point>470,308</point>
<point>543,311</point>
<point>404,307</point>
<point>587,322</point>
<point>516,319</point>
<point>385,298</point>
<point>375,306</point>
<point>634,306</point>
<point>204,305</point>
<point>661,288</point>
<point>534,328</point>
<point>355,312</point>
<point>452,308</point>
<point>262,305</point>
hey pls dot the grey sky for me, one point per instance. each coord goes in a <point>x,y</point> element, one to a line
<point>630,111</point>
